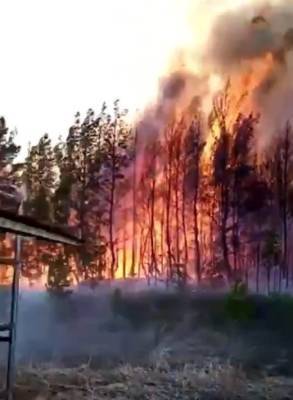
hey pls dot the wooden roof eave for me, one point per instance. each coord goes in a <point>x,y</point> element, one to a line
<point>25,226</point>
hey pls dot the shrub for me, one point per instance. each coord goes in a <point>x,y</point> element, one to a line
<point>239,306</point>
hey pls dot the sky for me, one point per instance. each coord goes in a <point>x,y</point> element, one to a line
<point>64,56</point>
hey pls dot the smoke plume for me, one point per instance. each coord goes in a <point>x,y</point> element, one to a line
<point>257,42</point>
<point>177,92</point>
<point>251,45</point>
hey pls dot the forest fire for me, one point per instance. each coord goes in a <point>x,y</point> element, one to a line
<point>151,246</point>
<point>193,153</point>
<point>199,185</point>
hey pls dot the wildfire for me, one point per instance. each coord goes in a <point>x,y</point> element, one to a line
<point>229,67</point>
<point>227,90</point>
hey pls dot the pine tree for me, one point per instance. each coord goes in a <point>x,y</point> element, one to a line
<point>40,179</point>
<point>58,274</point>
<point>194,146</point>
<point>8,148</point>
<point>79,198</point>
<point>116,142</point>
<point>62,196</point>
<point>9,195</point>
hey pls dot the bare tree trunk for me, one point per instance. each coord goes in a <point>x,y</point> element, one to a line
<point>162,247</point>
<point>111,229</point>
<point>82,205</point>
<point>124,273</point>
<point>235,237</point>
<point>148,251</point>
<point>177,220</point>
<point>141,254</point>
<point>168,232</point>
<point>269,278</point>
<point>112,209</point>
<point>280,276</point>
<point>257,267</point>
<point>285,205</point>
<point>134,211</point>
<point>197,154</point>
<point>197,255</point>
<point>153,263</point>
<point>223,229</point>
<point>211,233</point>
<point>184,225</point>
<point>101,255</point>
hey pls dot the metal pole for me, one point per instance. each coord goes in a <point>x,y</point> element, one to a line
<point>10,377</point>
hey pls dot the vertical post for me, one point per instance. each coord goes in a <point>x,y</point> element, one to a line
<point>10,377</point>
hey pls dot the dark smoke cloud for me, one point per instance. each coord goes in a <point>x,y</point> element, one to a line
<point>251,32</point>
<point>177,91</point>
<point>174,86</point>
<point>244,35</point>
<point>237,38</point>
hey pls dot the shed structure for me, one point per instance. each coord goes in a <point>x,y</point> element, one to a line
<point>22,227</point>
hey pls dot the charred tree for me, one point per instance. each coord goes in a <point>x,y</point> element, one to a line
<point>283,164</point>
<point>194,146</point>
<point>134,207</point>
<point>169,177</point>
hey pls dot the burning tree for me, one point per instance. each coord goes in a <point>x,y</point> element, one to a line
<point>199,185</point>
<point>116,136</point>
<point>194,146</point>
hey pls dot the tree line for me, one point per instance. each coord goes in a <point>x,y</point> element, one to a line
<point>195,201</point>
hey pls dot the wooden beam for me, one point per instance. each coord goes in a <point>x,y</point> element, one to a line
<point>27,230</point>
<point>26,226</point>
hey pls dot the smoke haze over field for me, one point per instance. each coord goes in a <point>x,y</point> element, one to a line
<point>83,328</point>
<point>74,329</point>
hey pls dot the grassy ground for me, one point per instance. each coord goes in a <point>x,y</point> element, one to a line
<point>213,381</point>
<point>200,347</point>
